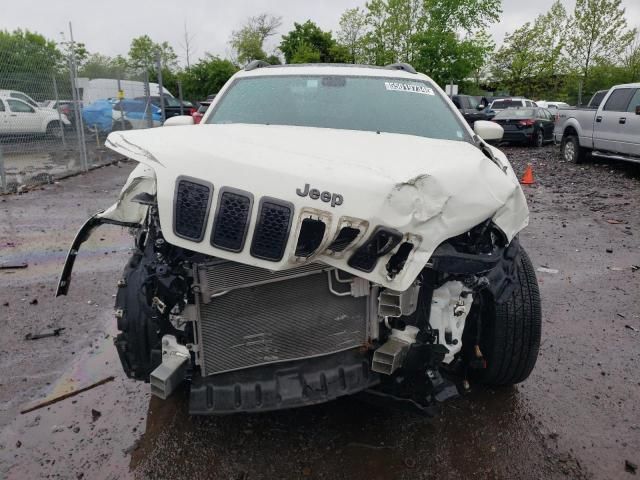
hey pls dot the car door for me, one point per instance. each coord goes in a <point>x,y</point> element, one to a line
<point>610,123</point>
<point>23,118</point>
<point>632,126</point>
<point>549,123</point>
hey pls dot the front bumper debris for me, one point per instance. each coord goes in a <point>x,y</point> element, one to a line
<point>283,385</point>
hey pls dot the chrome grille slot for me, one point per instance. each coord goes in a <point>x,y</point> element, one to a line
<point>310,237</point>
<point>345,237</point>
<point>278,321</point>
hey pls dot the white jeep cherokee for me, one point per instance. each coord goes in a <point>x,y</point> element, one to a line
<point>325,231</point>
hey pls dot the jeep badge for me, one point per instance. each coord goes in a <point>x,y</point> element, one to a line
<point>334,198</point>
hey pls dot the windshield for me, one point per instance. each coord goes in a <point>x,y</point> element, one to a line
<point>517,113</point>
<point>351,103</point>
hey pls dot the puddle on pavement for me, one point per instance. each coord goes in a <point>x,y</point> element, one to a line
<point>89,434</point>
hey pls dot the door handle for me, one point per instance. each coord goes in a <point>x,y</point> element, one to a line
<point>13,115</point>
<point>598,119</point>
<point>622,120</point>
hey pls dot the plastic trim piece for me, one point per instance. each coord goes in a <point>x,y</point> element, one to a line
<point>284,385</point>
<point>238,192</point>
<point>205,220</point>
<point>405,67</point>
<point>257,231</point>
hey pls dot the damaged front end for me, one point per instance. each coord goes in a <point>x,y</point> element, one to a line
<point>266,300</point>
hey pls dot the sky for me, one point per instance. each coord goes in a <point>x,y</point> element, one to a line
<point>108,27</point>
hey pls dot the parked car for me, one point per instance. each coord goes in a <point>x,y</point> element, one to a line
<point>533,126</point>
<point>511,102</point>
<point>471,108</point>
<point>552,105</point>
<point>17,117</point>
<point>20,96</point>
<point>349,232</point>
<point>613,130</point>
<point>202,109</point>
<point>67,107</point>
<point>171,105</point>
<point>132,114</point>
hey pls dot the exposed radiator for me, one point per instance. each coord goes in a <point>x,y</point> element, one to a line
<point>289,319</point>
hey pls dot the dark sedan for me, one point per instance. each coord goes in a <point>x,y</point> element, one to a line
<point>533,126</point>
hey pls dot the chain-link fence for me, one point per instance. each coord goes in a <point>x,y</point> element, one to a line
<point>53,120</point>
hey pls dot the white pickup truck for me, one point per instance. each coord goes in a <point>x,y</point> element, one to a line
<point>612,131</point>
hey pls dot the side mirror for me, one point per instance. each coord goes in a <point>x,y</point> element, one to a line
<point>481,106</point>
<point>488,130</point>
<point>637,109</point>
<point>179,120</point>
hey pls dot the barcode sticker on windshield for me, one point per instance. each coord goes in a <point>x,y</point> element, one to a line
<point>408,87</point>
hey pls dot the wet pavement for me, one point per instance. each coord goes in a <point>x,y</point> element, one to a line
<point>577,416</point>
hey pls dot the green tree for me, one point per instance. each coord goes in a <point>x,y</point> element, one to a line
<point>248,42</point>
<point>143,52</point>
<point>28,62</point>
<point>206,77</point>
<point>599,33</point>
<point>631,61</point>
<point>446,57</point>
<point>518,60</point>
<point>351,35</point>
<point>307,43</point>
<point>102,66</point>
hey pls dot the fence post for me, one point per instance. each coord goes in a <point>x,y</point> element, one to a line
<point>57,98</point>
<point>3,175</point>
<point>579,93</point>
<point>120,98</point>
<point>77,101</point>
<point>160,87</point>
<point>147,94</point>
<point>180,97</point>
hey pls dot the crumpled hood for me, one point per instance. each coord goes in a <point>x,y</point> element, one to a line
<point>428,190</point>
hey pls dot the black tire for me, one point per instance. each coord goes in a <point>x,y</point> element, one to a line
<point>54,130</point>
<point>571,150</point>
<point>511,331</point>
<point>538,138</point>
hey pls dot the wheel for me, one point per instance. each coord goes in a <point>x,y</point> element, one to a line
<point>510,333</point>
<point>571,149</point>
<point>538,138</point>
<point>54,129</point>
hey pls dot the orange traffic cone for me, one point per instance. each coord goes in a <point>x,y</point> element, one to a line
<point>527,178</point>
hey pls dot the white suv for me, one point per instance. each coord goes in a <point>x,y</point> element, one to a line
<point>345,232</point>
<point>19,117</point>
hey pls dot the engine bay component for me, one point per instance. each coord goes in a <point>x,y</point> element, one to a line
<point>450,306</point>
<point>397,304</point>
<point>171,372</point>
<point>390,356</point>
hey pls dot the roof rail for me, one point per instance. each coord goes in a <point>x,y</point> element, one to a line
<point>256,64</point>
<point>401,66</point>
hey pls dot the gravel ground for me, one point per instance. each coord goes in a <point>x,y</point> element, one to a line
<point>575,417</point>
